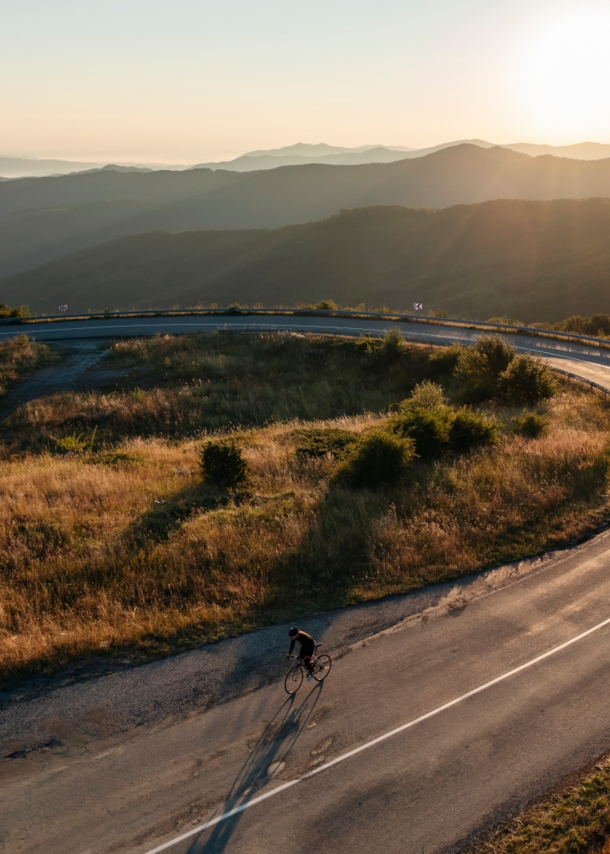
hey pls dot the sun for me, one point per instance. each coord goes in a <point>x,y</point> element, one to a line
<point>564,75</point>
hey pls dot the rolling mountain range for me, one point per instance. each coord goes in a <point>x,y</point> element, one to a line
<point>528,259</point>
<point>294,155</point>
<point>45,218</point>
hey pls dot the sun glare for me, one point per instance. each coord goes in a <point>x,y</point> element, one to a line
<point>565,75</point>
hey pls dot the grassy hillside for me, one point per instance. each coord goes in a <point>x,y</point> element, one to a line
<point>531,260</point>
<point>111,542</point>
<point>40,219</point>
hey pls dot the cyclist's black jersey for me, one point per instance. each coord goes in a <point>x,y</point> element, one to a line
<point>308,644</point>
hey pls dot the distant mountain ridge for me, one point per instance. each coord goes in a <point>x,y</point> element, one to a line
<point>45,218</point>
<point>579,151</point>
<point>294,155</point>
<point>13,168</point>
<point>538,261</point>
<point>301,154</point>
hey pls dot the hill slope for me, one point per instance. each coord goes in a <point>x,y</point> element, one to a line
<point>532,260</point>
<point>46,218</point>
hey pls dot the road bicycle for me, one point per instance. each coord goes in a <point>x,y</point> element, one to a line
<point>320,668</point>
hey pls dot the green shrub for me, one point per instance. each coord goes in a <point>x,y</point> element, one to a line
<point>75,443</point>
<point>479,367</point>
<point>470,429</point>
<point>425,395</point>
<point>532,425</point>
<point>20,311</point>
<point>428,428</point>
<point>327,305</point>
<point>444,361</point>
<point>319,442</point>
<point>380,459</point>
<point>598,324</point>
<point>392,344</point>
<point>526,380</point>
<point>222,464</point>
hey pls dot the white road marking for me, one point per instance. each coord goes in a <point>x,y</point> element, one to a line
<point>377,740</point>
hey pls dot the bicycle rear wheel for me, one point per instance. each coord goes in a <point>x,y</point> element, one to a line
<point>321,668</point>
<point>293,679</point>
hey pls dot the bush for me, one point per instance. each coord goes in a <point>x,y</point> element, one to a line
<point>75,443</point>
<point>444,361</point>
<point>470,429</point>
<point>222,464</point>
<point>392,344</point>
<point>479,367</point>
<point>526,380</point>
<point>428,428</point>
<point>380,459</point>
<point>531,425</point>
<point>20,311</point>
<point>598,324</point>
<point>425,395</point>
<point>327,305</point>
<point>318,443</point>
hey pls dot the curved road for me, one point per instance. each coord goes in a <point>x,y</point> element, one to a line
<point>422,735</point>
<point>587,361</point>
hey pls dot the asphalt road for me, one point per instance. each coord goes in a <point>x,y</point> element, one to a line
<point>425,333</point>
<point>477,724</point>
<point>425,788</point>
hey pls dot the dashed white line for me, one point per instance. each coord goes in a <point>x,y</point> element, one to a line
<point>378,740</point>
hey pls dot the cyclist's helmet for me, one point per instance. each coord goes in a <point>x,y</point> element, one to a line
<point>293,632</point>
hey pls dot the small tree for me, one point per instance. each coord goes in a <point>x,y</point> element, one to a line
<point>222,464</point>
<point>380,459</point>
<point>526,380</point>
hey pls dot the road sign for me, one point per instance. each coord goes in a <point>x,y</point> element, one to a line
<point>418,306</point>
<point>62,308</point>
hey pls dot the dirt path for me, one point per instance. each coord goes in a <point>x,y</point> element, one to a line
<point>81,369</point>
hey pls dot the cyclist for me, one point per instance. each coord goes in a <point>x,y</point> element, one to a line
<point>308,646</point>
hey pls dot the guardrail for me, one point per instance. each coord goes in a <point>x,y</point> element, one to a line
<point>592,385</point>
<point>391,316</point>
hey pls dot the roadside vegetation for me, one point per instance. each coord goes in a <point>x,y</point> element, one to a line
<point>573,820</point>
<point>7,311</point>
<point>229,481</point>
<point>18,357</point>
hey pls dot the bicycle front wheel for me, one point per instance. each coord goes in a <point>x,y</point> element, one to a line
<point>293,679</point>
<point>321,668</point>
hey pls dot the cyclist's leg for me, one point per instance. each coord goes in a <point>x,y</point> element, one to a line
<point>308,661</point>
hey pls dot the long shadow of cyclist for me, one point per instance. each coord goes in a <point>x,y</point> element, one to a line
<point>273,747</point>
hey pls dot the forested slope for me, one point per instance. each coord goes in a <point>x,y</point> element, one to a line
<point>531,260</point>
<point>45,218</point>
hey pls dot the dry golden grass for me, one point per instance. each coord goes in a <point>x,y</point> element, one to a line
<point>189,385</point>
<point>574,820</point>
<point>125,550</point>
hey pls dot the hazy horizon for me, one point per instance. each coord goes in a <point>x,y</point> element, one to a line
<point>183,83</point>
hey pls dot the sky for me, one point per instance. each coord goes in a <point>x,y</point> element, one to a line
<point>186,81</point>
